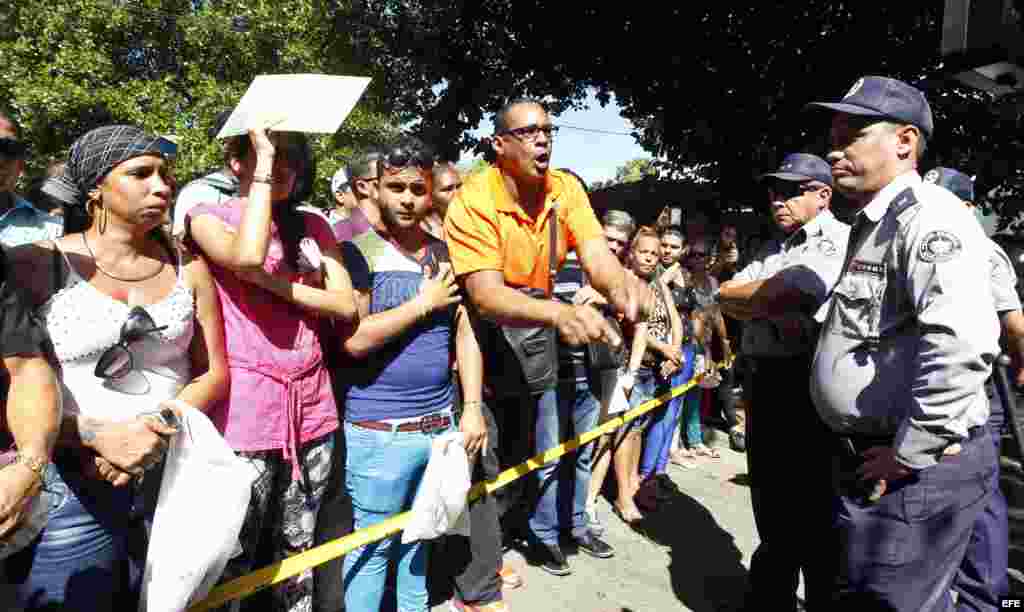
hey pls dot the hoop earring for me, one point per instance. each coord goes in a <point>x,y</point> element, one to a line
<point>101,220</point>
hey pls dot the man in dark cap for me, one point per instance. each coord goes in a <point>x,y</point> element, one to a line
<point>982,581</point>
<point>782,293</point>
<point>902,359</point>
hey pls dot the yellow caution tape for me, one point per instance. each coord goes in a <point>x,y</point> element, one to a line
<point>292,566</point>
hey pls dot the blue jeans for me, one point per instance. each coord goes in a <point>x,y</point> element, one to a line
<point>383,470</point>
<point>658,439</point>
<point>90,553</point>
<point>559,495</point>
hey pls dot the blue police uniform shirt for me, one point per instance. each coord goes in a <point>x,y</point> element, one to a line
<point>25,224</point>
<point>810,260</point>
<point>412,375</point>
<point>911,331</point>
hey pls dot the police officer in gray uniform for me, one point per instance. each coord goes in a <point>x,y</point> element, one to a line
<point>902,359</point>
<point>982,581</point>
<point>781,294</point>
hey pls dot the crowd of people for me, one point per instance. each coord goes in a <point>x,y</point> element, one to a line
<point>332,348</point>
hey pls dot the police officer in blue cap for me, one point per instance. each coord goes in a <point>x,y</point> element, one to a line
<point>781,294</point>
<point>902,360</point>
<point>982,581</point>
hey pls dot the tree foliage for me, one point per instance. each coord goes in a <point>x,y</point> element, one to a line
<point>716,90</point>
<point>630,172</point>
<point>718,84</point>
<point>170,66</point>
<point>445,63</point>
<point>472,167</point>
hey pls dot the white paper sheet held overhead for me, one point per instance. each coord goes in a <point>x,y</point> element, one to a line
<point>312,103</point>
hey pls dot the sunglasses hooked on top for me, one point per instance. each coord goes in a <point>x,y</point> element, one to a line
<point>399,159</point>
<point>11,148</point>
<point>167,147</point>
<point>529,133</point>
<point>117,361</point>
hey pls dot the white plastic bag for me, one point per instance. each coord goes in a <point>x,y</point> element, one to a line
<point>204,496</point>
<point>440,504</point>
<point>618,402</point>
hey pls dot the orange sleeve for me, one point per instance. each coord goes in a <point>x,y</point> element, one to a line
<point>580,218</point>
<point>472,233</point>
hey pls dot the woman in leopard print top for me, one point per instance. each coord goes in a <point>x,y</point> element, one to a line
<point>653,355</point>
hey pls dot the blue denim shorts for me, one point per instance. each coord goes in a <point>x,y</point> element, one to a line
<point>647,387</point>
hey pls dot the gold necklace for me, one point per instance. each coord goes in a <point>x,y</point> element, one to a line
<point>118,278</point>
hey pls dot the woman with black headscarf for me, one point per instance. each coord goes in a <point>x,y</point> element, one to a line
<point>136,328</point>
<point>278,270</point>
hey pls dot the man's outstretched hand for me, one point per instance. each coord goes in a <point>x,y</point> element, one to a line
<point>583,324</point>
<point>633,298</point>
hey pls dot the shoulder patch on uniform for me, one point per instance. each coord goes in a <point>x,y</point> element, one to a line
<point>932,177</point>
<point>902,202</point>
<point>827,247</point>
<point>939,246</point>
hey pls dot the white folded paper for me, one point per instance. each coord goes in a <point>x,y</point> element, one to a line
<point>312,103</point>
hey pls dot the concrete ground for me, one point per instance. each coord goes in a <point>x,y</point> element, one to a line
<point>690,555</point>
<point>694,553</point>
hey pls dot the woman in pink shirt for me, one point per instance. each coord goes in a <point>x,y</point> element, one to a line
<point>277,271</point>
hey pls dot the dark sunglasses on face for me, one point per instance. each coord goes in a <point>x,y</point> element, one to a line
<point>12,149</point>
<point>786,190</point>
<point>530,132</point>
<point>118,360</point>
<point>696,254</point>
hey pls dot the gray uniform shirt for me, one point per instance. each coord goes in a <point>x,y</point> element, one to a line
<point>1004,280</point>
<point>911,331</point>
<point>810,259</point>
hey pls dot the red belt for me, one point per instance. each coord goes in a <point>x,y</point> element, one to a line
<point>428,424</point>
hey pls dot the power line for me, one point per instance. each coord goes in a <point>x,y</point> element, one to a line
<point>594,130</point>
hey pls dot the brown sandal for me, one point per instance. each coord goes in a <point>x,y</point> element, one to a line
<point>628,518</point>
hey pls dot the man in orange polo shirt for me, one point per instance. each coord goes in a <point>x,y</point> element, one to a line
<point>497,230</point>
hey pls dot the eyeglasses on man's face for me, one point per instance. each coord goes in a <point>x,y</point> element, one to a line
<point>530,133</point>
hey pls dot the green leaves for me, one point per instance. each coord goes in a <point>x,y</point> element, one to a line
<point>169,66</point>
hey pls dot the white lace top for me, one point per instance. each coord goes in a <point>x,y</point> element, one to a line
<point>83,322</point>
